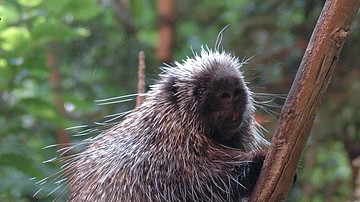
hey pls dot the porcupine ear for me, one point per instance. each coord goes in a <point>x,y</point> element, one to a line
<point>170,86</point>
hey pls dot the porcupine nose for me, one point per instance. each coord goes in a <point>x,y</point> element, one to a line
<point>231,97</point>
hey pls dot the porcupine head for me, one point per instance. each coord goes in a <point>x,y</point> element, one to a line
<point>193,138</point>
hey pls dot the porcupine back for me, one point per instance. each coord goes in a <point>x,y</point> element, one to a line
<point>172,147</point>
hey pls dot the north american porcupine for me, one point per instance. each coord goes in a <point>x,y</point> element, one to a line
<point>193,138</point>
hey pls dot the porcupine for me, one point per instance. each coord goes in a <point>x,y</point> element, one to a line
<point>194,138</point>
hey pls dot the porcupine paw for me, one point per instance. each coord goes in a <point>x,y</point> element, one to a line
<point>255,168</point>
<point>250,174</point>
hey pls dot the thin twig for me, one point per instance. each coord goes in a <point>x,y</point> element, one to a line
<point>141,78</point>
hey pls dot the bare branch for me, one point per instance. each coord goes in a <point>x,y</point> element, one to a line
<point>52,61</point>
<point>141,78</point>
<point>122,11</point>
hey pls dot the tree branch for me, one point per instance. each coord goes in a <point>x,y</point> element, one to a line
<point>52,62</point>
<point>122,12</point>
<point>141,78</point>
<point>307,91</point>
<point>167,17</point>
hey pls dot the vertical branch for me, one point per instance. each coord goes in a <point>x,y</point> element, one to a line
<point>309,166</point>
<point>141,78</point>
<point>62,137</point>
<point>167,18</point>
<point>351,145</point>
<point>123,15</point>
<point>307,91</point>
<point>356,164</point>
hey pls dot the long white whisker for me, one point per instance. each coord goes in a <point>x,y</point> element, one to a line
<point>120,97</point>
<point>115,102</point>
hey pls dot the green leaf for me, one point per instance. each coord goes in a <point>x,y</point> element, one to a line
<point>8,15</point>
<point>43,110</point>
<point>79,10</point>
<point>46,30</point>
<point>82,32</point>
<point>30,3</point>
<point>39,108</point>
<point>15,38</point>
<point>20,162</point>
<point>83,10</point>
<point>5,72</point>
<point>143,12</point>
<point>148,37</point>
<point>41,73</point>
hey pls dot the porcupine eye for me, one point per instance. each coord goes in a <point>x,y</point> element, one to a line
<point>200,92</point>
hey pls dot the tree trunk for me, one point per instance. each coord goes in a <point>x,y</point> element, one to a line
<point>167,17</point>
<point>63,138</point>
<point>307,91</point>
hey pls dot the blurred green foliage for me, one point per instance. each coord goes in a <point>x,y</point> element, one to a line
<point>96,58</point>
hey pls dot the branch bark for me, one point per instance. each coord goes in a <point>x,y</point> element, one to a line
<point>356,163</point>
<point>52,62</point>
<point>141,78</point>
<point>123,15</point>
<point>167,18</point>
<point>306,93</point>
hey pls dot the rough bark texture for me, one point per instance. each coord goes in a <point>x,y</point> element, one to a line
<point>307,91</point>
